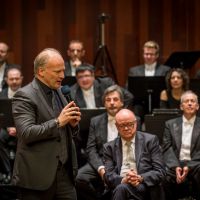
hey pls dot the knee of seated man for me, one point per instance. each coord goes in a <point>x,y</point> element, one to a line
<point>124,187</point>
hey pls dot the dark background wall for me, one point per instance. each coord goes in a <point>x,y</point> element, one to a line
<point>28,26</point>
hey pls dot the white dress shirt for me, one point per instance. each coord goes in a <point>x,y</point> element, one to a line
<point>150,69</point>
<point>89,97</point>
<point>112,129</point>
<point>187,128</point>
<point>127,161</point>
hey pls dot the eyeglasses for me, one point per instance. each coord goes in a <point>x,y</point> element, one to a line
<point>77,50</point>
<point>127,125</point>
<point>84,76</point>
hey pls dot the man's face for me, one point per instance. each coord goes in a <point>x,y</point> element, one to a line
<point>76,51</point>
<point>52,73</point>
<point>113,103</point>
<point>127,126</point>
<point>14,79</point>
<point>85,79</point>
<point>189,105</point>
<point>150,55</point>
<point>3,52</point>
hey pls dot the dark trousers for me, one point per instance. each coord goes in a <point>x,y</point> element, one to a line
<point>89,184</point>
<point>61,189</point>
<point>190,187</point>
<point>128,192</point>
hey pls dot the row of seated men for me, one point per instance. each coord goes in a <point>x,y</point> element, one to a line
<point>119,131</point>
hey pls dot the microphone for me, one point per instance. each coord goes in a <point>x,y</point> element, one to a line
<point>66,92</point>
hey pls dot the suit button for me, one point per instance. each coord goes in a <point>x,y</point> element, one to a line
<point>58,139</point>
<point>57,156</point>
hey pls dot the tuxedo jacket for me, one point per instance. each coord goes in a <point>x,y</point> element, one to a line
<point>160,70</point>
<point>172,139</point>
<point>100,84</point>
<point>39,139</point>
<point>149,161</point>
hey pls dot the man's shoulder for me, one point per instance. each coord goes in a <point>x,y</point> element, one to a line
<point>136,68</point>
<point>174,120</point>
<point>99,117</point>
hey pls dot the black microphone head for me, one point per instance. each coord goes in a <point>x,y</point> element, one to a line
<point>65,90</point>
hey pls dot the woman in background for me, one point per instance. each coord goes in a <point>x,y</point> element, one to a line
<point>177,82</point>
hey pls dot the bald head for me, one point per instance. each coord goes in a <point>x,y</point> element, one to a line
<point>49,68</point>
<point>126,124</point>
<point>43,57</point>
<point>125,114</point>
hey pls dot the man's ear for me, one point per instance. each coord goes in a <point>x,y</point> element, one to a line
<point>41,71</point>
<point>181,107</point>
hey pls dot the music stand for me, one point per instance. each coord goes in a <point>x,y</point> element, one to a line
<point>146,91</point>
<point>155,122</point>
<point>69,80</point>
<point>183,59</point>
<point>87,114</point>
<point>6,113</point>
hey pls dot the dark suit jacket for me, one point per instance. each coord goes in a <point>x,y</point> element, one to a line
<point>38,139</point>
<point>161,70</point>
<point>172,143</point>
<point>4,93</point>
<point>100,84</point>
<point>97,137</point>
<point>149,160</point>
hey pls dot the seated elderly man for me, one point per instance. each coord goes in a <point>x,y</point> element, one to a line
<point>133,162</point>
<point>181,149</point>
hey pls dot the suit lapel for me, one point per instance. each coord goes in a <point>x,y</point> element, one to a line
<point>195,133</point>
<point>177,132</point>
<point>40,94</point>
<point>104,128</point>
<point>118,153</point>
<point>97,94</point>
<point>79,98</point>
<point>138,148</point>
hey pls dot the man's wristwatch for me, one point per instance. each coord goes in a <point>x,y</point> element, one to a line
<point>57,123</point>
<point>141,179</point>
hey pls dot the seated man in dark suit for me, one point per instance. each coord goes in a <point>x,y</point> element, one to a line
<point>102,129</point>
<point>88,91</point>
<point>4,65</point>
<point>133,162</point>
<point>150,67</point>
<point>8,139</point>
<point>76,54</point>
<point>181,150</point>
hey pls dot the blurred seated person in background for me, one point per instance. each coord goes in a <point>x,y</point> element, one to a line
<point>177,82</point>
<point>14,80</point>
<point>76,53</point>
<point>88,91</point>
<point>8,139</point>
<point>151,67</point>
<point>89,180</point>
<point>181,151</point>
<point>4,66</point>
<point>133,162</point>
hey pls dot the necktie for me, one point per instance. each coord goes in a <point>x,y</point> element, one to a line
<point>57,107</point>
<point>130,156</point>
